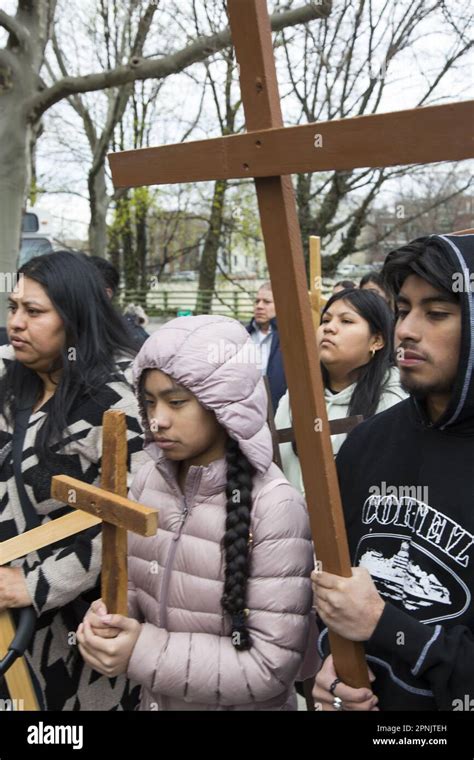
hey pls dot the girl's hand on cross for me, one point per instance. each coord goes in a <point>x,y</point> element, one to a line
<point>95,615</point>
<point>13,589</point>
<point>109,656</point>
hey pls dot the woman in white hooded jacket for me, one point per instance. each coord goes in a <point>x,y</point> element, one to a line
<point>355,341</point>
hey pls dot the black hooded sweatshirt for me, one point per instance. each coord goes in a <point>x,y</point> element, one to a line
<point>407,488</point>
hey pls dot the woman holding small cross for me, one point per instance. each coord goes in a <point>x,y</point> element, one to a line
<point>66,364</point>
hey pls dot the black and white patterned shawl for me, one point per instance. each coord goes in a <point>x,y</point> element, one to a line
<point>63,578</point>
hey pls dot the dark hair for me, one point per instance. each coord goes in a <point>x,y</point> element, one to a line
<point>371,376</point>
<point>377,279</point>
<point>346,284</point>
<point>425,259</point>
<point>237,540</point>
<point>108,272</point>
<point>92,327</point>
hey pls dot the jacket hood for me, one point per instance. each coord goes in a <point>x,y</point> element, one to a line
<point>214,358</point>
<point>342,398</point>
<point>459,415</point>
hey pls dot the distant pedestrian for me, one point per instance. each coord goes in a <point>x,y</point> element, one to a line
<point>374,281</point>
<point>264,333</point>
<point>343,285</point>
<point>134,316</point>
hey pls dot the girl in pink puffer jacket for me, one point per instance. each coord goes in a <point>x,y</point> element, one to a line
<point>219,599</point>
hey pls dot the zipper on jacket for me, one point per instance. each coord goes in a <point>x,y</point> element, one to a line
<point>167,573</point>
<point>169,564</point>
<point>182,521</point>
<point>166,582</point>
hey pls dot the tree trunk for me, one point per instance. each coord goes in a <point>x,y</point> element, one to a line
<point>142,243</point>
<point>20,63</point>
<point>130,263</point>
<point>114,248</point>
<point>303,200</point>
<point>208,264</point>
<point>15,163</point>
<point>99,203</point>
<point>14,141</point>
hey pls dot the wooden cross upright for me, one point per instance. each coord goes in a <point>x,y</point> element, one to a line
<point>107,504</point>
<point>270,153</point>
<point>315,279</point>
<point>110,505</point>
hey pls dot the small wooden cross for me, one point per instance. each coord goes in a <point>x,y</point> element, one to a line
<point>107,504</point>
<point>270,152</point>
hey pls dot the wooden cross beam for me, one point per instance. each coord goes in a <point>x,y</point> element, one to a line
<point>418,135</point>
<point>270,153</point>
<point>109,503</point>
<point>106,504</point>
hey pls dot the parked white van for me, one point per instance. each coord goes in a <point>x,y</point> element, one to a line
<point>35,235</point>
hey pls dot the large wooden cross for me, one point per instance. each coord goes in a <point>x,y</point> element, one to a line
<point>270,153</point>
<point>107,504</point>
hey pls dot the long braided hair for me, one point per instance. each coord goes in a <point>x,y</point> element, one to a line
<point>237,541</point>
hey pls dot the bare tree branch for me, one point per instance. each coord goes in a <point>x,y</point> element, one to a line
<point>230,279</point>
<point>138,68</point>
<point>343,73</point>
<point>447,66</point>
<point>75,100</point>
<point>18,33</point>
<point>195,122</point>
<point>439,202</point>
<point>449,18</point>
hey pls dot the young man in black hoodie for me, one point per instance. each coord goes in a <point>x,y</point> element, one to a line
<point>407,487</point>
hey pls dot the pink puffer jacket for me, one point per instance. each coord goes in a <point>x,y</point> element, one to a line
<point>184,658</point>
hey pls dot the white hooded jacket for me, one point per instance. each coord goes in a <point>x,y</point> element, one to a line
<point>337,405</point>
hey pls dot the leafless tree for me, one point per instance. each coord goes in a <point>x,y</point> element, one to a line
<point>343,67</point>
<point>25,96</point>
<point>125,27</point>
